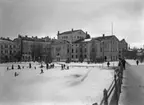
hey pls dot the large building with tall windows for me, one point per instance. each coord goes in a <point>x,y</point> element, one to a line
<point>8,50</point>
<point>73,45</point>
<point>82,47</point>
<point>72,36</point>
<point>109,47</point>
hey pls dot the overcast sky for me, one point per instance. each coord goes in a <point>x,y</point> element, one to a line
<point>46,17</point>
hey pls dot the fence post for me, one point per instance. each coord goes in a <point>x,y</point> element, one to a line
<point>105,97</point>
<point>116,89</point>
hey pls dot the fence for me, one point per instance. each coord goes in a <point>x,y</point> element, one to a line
<point>114,88</point>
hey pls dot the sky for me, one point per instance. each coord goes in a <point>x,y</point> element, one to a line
<point>47,17</point>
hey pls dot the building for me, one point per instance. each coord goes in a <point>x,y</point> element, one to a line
<point>8,50</point>
<point>109,47</point>
<point>73,35</point>
<point>60,50</point>
<point>123,47</point>
<point>33,48</point>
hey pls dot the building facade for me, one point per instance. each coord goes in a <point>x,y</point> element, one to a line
<point>72,36</point>
<point>33,48</point>
<point>123,47</point>
<point>109,47</point>
<point>8,51</point>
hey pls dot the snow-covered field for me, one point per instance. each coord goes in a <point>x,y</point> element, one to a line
<point>76,86</point>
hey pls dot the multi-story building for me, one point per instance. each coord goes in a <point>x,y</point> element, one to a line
<point>61,50</point>
<point>109,47</point>
<point>33,48</point>
<point>123,47</point>
<point>72,35</point>
<point>8,50</point>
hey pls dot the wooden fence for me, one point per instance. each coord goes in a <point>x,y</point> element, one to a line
<point>114,88</point>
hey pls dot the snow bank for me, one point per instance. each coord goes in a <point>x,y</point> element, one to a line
<point>76,86</point>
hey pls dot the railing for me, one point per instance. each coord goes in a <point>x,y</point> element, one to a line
<point>114,89</point>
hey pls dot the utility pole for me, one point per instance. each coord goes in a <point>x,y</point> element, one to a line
<point>112,28</point>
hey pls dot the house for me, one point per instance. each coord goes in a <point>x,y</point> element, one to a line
<point>109,47</point>
<point>123,47</point>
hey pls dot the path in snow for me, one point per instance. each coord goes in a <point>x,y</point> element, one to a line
<point>133,85</point>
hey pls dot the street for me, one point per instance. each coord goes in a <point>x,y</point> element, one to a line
<point>133,86</point>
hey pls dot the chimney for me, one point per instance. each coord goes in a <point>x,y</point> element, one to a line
<point>58,33</point>
<point>103,35</point>
<point>86,33</point>
<point>72,29</point>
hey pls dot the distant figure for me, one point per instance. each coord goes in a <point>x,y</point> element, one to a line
<point>41,71</point>
<point>67,67</point>
<point>108,63</point>
<point>29,65</point>
<point>16,74</point>
<point>19,67</point>
<point>12,67</point>
<point>137,62</point>
<point>123,63</point>
<point>23,67</point>
<point>35,67</point>
<point>7,68</point>
<point>47,66</point>
<point>62,67</point>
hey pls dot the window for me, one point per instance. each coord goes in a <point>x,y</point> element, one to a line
<point>67,50</point>
<point>1,46</point>
<point>85,50</point>
<point>76,50</point>
<point>72,50</point>
<point>72,56</point>
<point>85,56</point>
<point>76,56</point>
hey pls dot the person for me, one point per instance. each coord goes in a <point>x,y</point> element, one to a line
<point>41,71</point>
<point>137,62</point>
<point>123,63</point>
<point>67,67</point>
<point>29,65</point>
<point>16,74</point>
<point>12,66</point>
<point>19,67</point>
<point>47,65</point>
<point>108,63</point>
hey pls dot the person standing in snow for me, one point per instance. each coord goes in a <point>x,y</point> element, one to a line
<point>108,63</point>
<point>137,62</point>
<point>41,71</point>
<point>12,67</point>
<point>123,63</point>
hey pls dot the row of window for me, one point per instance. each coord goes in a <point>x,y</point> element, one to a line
<point>7,52</point>
<point>78,37</point>
<point>8,46</point>
<point>76,56</point>
<point>81,50</point>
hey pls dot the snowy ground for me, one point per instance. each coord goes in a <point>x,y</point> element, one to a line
<point>133,62</point>
<point>133,85</point>
<point>76,86</point>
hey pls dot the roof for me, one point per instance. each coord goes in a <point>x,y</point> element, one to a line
<point>69,32</point>
<point>86,40</point>
<point>1,40</point>
<point>104,37</point>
